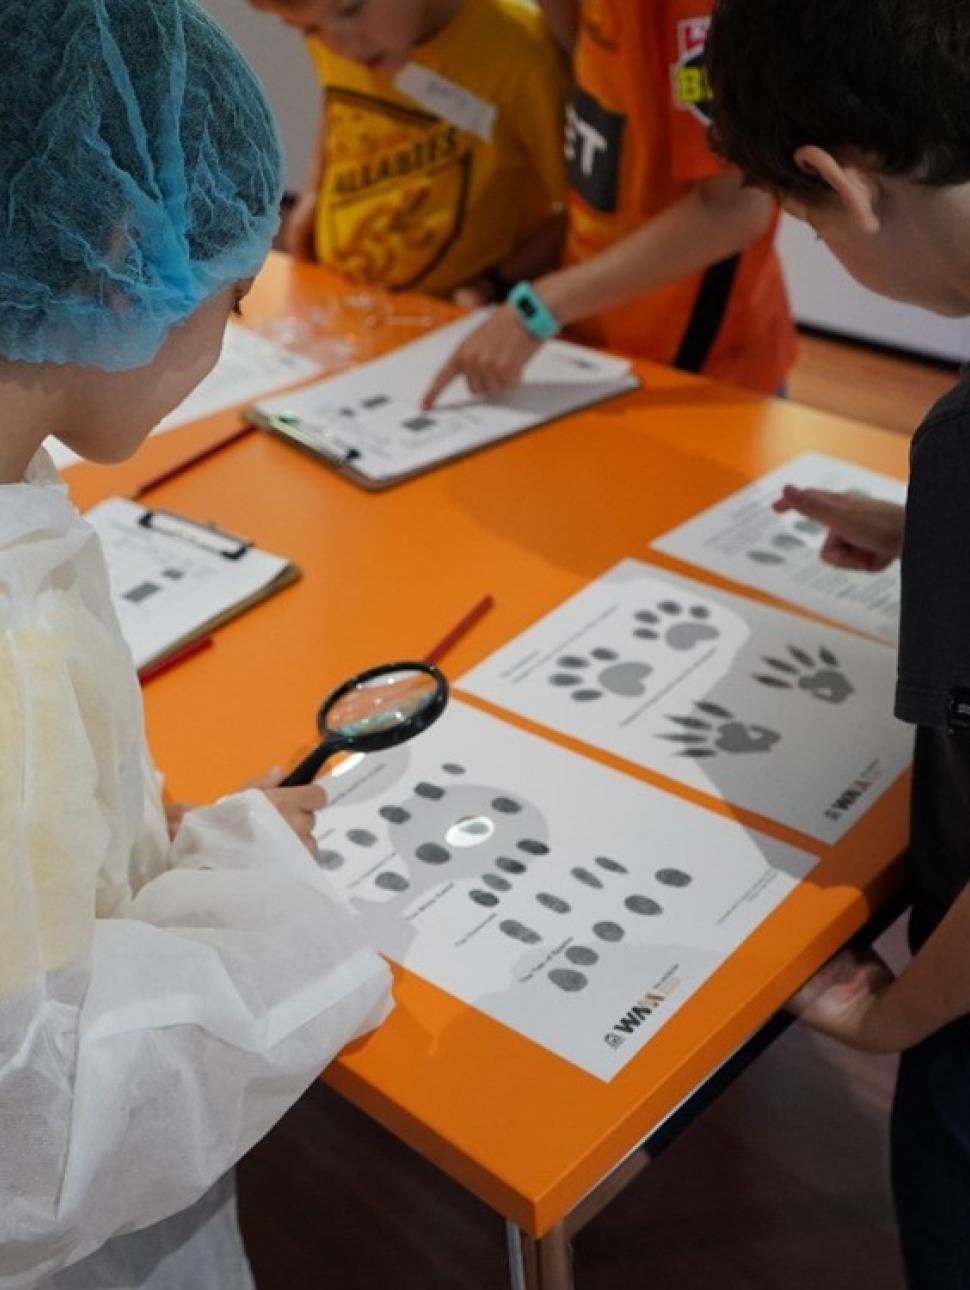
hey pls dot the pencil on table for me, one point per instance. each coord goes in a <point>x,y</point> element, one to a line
<point>459,630</point>
<point>163,478</point>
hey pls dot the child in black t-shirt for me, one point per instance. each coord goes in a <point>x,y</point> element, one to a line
<point>856,117</point>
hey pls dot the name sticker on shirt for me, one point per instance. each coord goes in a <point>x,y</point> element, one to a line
<point>451,102</point>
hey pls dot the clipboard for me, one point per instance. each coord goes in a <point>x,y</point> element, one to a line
<point>368,424</point>
<point>175,579</point>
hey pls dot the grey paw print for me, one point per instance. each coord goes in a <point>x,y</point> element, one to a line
<point>625,679</point>
<point>681,628</point>
<point>821,678</point>
<point>719,731</point>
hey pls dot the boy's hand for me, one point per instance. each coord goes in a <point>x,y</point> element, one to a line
<point>843,1001</point>
<point>491,359</point>
<point>299,236</point>
<point>298,806</point>
<point>864,532</point>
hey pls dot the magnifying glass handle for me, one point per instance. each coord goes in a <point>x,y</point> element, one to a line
<point>311,765</point>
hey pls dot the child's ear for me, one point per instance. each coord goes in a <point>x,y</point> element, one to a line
<point>854,186</point>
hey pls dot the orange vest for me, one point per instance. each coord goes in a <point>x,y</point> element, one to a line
<point>636,142</point>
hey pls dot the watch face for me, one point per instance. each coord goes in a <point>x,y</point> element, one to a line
<point>528,307</point>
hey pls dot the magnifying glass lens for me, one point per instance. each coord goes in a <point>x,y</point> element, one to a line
<point>378,709</point>
<point>381,703</point>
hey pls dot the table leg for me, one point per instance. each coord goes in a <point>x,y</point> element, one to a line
<point>545,1264</point>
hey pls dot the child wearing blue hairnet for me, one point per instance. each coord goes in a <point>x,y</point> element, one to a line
<point>162,1001</point>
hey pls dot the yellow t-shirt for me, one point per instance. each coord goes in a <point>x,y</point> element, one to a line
<point>417,198</point>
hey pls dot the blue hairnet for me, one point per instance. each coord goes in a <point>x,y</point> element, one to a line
<point>140,174</point>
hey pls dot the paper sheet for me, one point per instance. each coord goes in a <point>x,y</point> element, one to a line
<point>374,411</point>
<point>570,902</point>
<point>248,367</point>
<point>757,707</point>
<point>742,538</point>
<point>166,587</point>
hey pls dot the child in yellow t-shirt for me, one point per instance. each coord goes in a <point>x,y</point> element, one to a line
<point>439,164</point>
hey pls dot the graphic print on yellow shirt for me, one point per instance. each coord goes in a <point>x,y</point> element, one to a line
<point>395,195</point>
<point>420,196</point>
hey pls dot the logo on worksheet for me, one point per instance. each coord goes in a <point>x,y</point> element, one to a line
<point>643,1009</point>
<point>860,786</point>
<point>395,190</point>
<point>691,87</point>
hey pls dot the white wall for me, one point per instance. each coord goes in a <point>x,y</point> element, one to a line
<point>823,295</point>
<point>277,53</point>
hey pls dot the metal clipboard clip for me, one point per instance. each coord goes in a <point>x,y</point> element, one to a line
<point>205,536</point>
<point>315,437</point>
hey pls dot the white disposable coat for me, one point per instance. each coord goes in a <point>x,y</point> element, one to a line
<point>161,1005</point>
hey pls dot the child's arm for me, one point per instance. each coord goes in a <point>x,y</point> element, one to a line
<point>134,1077</point>
<point>563,19</point>
<point>858,1002</point>
<point>301,222</point>
<point>864,533</point>
<point>159,1008</point>
<point>718,218</point>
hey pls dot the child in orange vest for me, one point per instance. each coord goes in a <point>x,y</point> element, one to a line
<point>668,256</point>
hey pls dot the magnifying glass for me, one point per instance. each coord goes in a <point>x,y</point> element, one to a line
<point>377,709</point>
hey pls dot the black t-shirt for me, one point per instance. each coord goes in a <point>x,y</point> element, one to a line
<point>933,690</point>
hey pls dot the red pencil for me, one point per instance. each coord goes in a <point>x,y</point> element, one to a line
<point>151,670</point>
<point>189,462</point>
<point>459,630</point>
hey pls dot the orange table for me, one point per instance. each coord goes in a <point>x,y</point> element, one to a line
<point>529,521</point>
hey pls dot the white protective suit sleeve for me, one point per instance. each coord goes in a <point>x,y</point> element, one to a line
<point>159,1008</point>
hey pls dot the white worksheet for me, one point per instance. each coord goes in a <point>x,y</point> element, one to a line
<point>763,709</point>
<point>370,418</point>
<point>571,902</point>
<point>742,538</point>
<point>248,367</point>
<point>172,579</point>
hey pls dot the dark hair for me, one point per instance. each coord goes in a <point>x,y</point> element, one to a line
<point>890,78</point>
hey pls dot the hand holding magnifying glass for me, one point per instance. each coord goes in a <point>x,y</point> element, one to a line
<point>378,709</point>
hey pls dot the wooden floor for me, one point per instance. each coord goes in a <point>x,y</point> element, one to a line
<point>781,1185</point>
<point>880,388</point>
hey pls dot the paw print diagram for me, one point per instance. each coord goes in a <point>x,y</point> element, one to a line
<point>624,678</point>
<point>821,678</point>
<point>783,544</point>
<point>679,627</point>
<point>712,730</point>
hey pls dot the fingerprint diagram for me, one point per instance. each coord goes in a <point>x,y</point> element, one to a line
<point>602,874</point>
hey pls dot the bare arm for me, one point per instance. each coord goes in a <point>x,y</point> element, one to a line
<point>717,219</point>
<point>934,988</point>
<point>857,1001</point>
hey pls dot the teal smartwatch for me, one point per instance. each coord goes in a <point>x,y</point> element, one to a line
<point>533,312</point>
